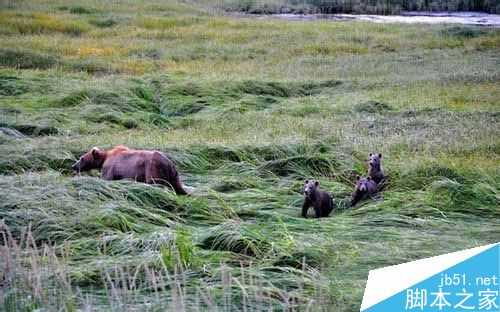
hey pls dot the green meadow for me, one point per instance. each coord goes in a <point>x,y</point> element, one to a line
<point>247,108</point>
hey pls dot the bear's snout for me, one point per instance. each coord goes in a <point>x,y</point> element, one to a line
<point>76,166</point>
<point>307,191</point>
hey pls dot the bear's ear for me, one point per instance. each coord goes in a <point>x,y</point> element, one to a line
<point>379,155</point>
<point>96,152</point>
<point>358,177</point>
<point>370,154</point>
<point>316,183</point>
<point>307,181</point>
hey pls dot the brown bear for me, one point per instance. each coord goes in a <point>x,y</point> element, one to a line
<point>375,168</point>
<point>121,162</point>
<point>365,187</point>
<point>320,200</point>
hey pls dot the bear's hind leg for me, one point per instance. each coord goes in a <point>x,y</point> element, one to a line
<point>317,211</point>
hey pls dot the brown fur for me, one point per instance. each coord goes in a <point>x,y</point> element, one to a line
<point>320,200</point>
<point>121,162</point>
<point>365,188</point>
<point>375,170</point>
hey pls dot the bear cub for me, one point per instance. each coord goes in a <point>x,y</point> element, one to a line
<point>365,187</point>
<point>320,200</point>
<point>375,170</point>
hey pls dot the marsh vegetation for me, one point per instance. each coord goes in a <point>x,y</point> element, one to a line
<point>248,109</point>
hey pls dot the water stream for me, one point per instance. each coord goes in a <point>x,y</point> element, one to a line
<point>465,18</point>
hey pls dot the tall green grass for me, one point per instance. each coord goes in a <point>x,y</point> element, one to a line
<point>247,109</point>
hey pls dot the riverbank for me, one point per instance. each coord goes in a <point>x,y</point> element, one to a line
<point>462,18</point>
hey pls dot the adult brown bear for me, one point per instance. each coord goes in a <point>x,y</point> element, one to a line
<point>121,162</point>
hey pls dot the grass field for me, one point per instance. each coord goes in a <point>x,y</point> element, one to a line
<point>247,108</point>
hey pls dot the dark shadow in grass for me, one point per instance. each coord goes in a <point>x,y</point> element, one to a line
<point>32,130</point>
<point>372,107</point>
<point>104,114</point>
<point>11,86</point>
<point>463,32</point>
<point>251,103</point>
<point>183,109</point>
<point>220,153</point>
<point>282,89</point>
<point>24,59</point>
<point>150,53</point>
<point>110,117</point>
<point>82,10</point>
<point>311,258</point>
<point>420,112</point>
<point>91,67</point>
<point>103,22</point>
<point>232,185</point>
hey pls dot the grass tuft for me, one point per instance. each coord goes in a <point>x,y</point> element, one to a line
<point>302,166</point>
<point>238,238</point>
<point>82,10</point>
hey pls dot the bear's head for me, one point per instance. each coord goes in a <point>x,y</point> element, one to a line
<point>310,187</point>
<point>362,184</point>
<point>374,160</point>
<point>362,189</point>
<point>93,159</point>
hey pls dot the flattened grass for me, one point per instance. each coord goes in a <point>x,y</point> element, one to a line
<point>247,109</point>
